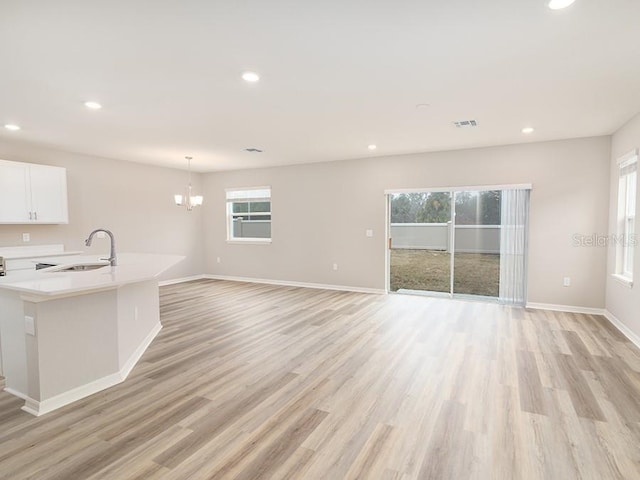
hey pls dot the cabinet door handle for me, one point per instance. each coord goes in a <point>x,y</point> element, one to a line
<point>30,216</point>
<point>35,214</point>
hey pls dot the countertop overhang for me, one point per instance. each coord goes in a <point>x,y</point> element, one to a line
<point>131,268</point>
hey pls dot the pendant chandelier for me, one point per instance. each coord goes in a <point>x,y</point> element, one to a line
<point>189,200</point>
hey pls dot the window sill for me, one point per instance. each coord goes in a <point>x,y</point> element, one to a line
<point>250,241</point>
<point>626,281</point>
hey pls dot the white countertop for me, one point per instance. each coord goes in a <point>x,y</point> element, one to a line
<point>131,268</point>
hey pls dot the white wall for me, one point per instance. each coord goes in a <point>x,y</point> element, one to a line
<point>321,212</point>
<point>621,301</point>
<point>134,201</point>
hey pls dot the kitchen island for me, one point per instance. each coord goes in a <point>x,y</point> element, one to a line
<point>68,332</point>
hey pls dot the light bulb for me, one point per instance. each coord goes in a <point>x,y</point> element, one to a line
<point>559,4</point>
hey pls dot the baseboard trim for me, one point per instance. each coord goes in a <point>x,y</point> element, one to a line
<point>138,352</point>
<point>173,281</point>
<point>31,406</point>
<point>285,283</point>
<point>38,408</point>
<point>15,393</point>
<point>565,308</point>
<point>626,331</point>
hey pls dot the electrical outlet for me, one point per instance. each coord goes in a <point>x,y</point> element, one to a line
<point>566,281</point>
<point>29,326</point>
<point>26,237</point>
<point>369,233</point>
<point>335,266</point>
<point>218,260</point>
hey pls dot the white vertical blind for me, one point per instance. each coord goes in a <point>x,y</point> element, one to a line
<point>513,244</point>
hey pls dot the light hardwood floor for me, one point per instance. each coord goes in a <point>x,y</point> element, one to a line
<point>253,381</point>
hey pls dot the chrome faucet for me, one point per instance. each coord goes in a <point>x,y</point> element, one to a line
<point>112,254</point>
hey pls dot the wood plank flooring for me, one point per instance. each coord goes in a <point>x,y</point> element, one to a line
<point>251,381</point>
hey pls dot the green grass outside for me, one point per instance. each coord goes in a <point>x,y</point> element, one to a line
<point>429,270</point>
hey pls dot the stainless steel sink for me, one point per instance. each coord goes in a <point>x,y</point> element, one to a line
<point>77,268</point>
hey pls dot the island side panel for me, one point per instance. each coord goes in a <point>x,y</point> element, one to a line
<point>76,342</point>
<point>138,321</point>
<point>13,347</point>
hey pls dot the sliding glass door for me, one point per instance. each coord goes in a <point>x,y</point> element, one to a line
<point>420,253</point>
<point>459,242</point>
<point>476,259</point>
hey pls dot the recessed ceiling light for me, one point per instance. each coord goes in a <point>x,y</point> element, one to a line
<point>527,130</point>
<point>93,105</point>
<point>13,128</point>
<point>559,4</point>
<point>372,147</point>
<point>250,77</point>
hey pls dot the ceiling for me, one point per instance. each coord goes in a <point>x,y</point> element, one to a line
<point>336,76</point>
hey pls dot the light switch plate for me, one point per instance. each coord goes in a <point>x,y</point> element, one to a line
<point>29,325</point>
<point>369,233</point>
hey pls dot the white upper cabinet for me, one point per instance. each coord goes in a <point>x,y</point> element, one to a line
<point>31,193</point>
<point>48,194</point>
<point>14,185</point>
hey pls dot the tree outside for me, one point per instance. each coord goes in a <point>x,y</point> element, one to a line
<point>472,208</point>
<point>478,208</point>
<point>436,208</point>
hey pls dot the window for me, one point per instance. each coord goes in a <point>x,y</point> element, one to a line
<point>249,214</point>
<point>626,239</point>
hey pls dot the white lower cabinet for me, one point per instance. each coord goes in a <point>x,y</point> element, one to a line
<point>31,193</point>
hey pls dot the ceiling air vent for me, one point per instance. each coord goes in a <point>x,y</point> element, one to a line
<point>253,150</point>
<point>466,123</point>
